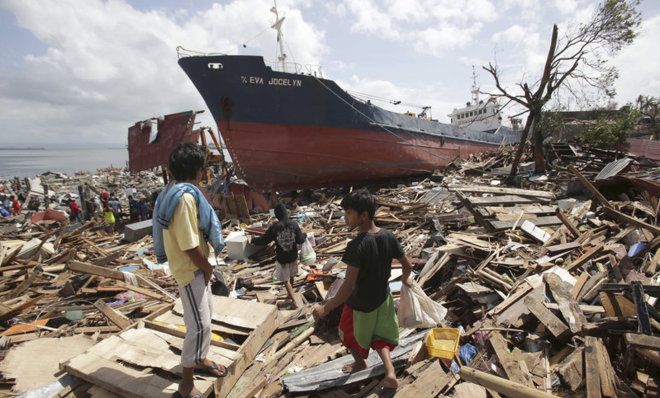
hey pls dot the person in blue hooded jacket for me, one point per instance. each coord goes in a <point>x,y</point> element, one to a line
<point>184,226</point>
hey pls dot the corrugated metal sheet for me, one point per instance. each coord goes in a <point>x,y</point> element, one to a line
<point>172,130</point>
<point>613,168</point>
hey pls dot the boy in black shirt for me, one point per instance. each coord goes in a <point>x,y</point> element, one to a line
<point>368,319</point>
<point>287,236</point>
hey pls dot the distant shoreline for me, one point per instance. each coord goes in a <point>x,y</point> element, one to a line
<point>27,148</point>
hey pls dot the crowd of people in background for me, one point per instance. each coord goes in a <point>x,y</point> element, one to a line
<point>9,205</point>
<point>106,205</point>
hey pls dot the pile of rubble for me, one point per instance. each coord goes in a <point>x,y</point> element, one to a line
<point>551,289</point>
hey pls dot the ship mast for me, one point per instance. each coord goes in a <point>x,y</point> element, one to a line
<point>280,40</point>
<point>475,88</point>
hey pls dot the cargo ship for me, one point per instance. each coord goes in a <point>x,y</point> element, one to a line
<point>287,127</point>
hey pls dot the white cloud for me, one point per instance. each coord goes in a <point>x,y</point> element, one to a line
<point>566,6</point>
<point>513,34</point>
<point>436,41</point>
<point>430,26</point>
<point>639,63</point>
<point>370,19</point>
<point>108,64</point>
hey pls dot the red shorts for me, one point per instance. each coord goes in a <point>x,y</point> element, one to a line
<point>347,335</point>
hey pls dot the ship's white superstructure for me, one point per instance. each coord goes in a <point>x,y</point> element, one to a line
<point>478,115</point>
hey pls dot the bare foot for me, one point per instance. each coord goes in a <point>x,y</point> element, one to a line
<point>390,382</point>
<point>188,390</point>
<point>354,367</point>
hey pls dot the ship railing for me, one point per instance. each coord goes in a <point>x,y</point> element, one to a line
<point>184,52</point>
<point>295,67</point>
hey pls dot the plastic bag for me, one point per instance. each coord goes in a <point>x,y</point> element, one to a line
<point>307,253</point>
<point>417,310</point>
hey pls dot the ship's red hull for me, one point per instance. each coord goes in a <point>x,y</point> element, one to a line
<point>282,157</point>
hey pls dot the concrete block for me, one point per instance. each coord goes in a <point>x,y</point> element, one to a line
<point>136,231</point>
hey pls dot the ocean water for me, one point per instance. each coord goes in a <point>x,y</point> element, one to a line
<point>32,162</point>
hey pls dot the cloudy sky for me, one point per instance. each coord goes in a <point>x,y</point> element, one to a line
<point>80,72</point>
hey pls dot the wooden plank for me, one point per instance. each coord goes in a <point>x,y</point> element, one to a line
<point>241,313</point>
<point>607,375</point>
<point>510,365</point>
<point>248,351</point>
<point>502,386</point>
<point>516,210</point>
<point>539,221</point>
<point>123,380</point>
<point>521,292</point>
<point>579,284</point>
<point>571,369</point>
<point>27,282</point>
<point>568,223</point>
<point>115,317</point>
<point>563,247</point>
<point>547,318</point>
<point>502,200</point>
<point>429,383</point>
<point>643,341</point>
<point>624,218</point>
<point>86,268</point>
<point>584,258</point>
<point>182,334</point>
<point>594,281</point>
<point>502,191</point>
<point>591,368</point>
<point>477,216</point>
<point>469,390</point>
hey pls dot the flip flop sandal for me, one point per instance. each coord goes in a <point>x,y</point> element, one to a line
<point>178,395</point>
<point>209,370</point>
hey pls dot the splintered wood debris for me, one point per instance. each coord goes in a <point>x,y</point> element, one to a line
<point>553,283</point>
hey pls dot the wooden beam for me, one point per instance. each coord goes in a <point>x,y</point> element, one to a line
<point>86,268</point>
<point>616,305</point>
<point>591,362</point>
<point>502,200</point>
<point>643,341</point>
<point>607,375</point>
<point>509,363</point>
<point>539,221</point>
<point>569,225</point>
<point>571,369</point>
<point>584,258</point>
<point>502,386</point>
<point>115,317</point>
<point>503,191</point>
<point>587,184</point>
<point>27,282</point>
<point>579,284</point>
<point>624,218</point>
<point>547,318</point>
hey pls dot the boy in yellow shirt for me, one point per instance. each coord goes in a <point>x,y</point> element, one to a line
<point>184,225</point>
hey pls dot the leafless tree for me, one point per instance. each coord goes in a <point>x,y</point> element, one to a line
<point>579,58</point>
